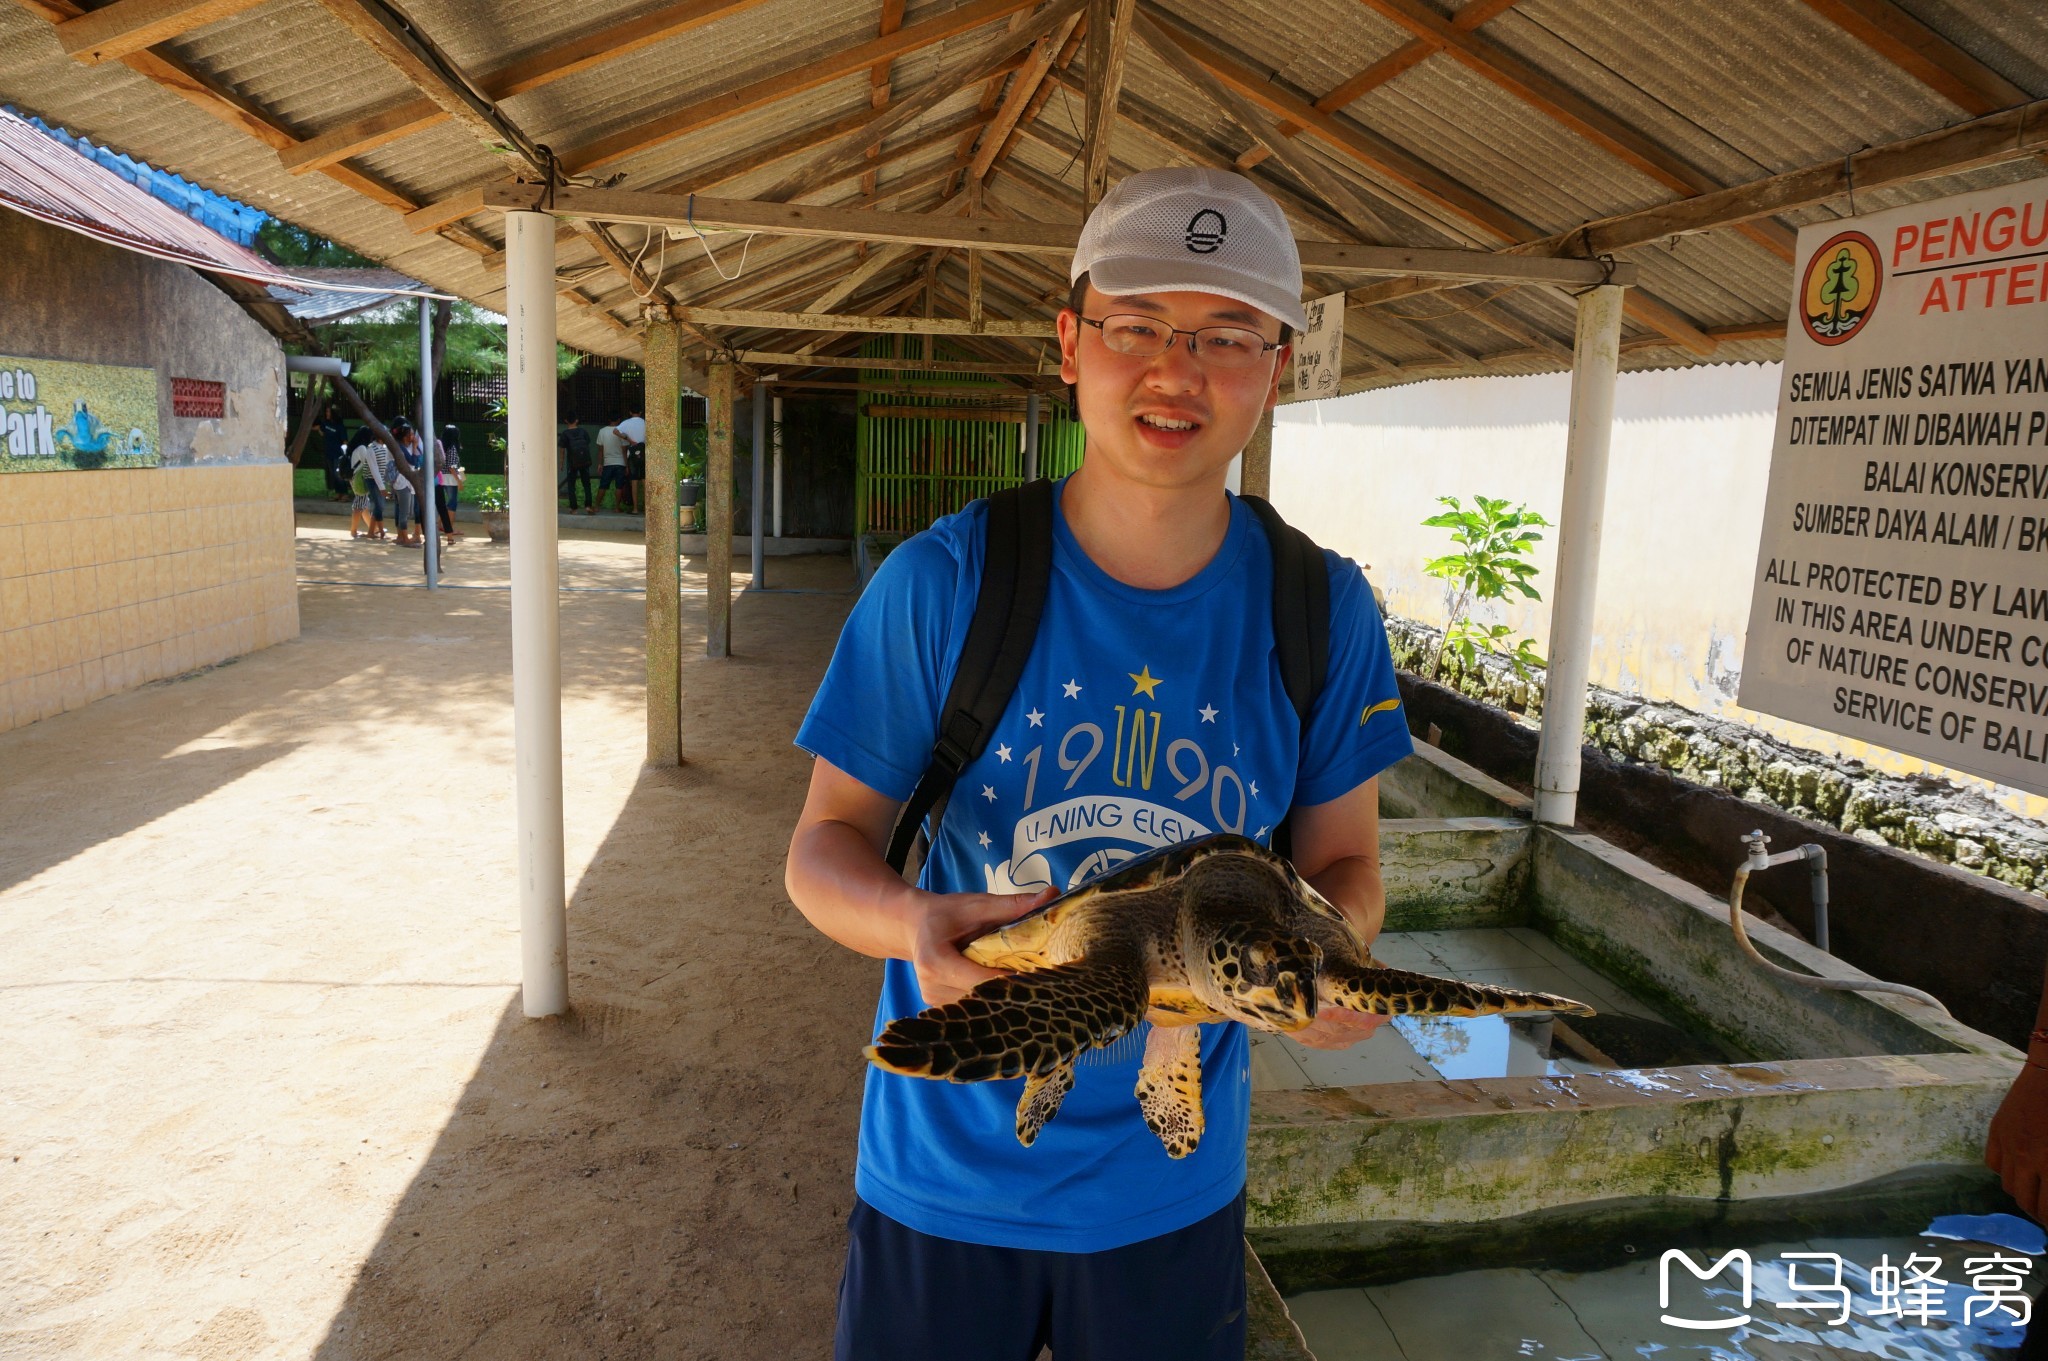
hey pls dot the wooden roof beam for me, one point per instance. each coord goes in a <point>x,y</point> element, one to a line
<point>1024,97</point>
<point>1362,219</point>
<point>1401,59</point>
<point>1559,101</point>
<point>786,80</point>
<point>879,88</point>
<point>1109,43</point>
<point>775,358</point>
<point>1923,54</point>
<point>113,31</point>
<point>1004,52</point>
<point>834,322</point>
<point>1477,215</point>
<point>947,229</point>
<point>530,73</point>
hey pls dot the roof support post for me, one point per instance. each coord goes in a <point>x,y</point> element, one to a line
<point>1596,355</point>
<point>1031,437</point>
<point>664,366</point>
<point>718,511</point>
<point>430,470</point>
<point>536,617</point>
<point>1255,470</point>
<point>759,465</point>
<point>777,418</point>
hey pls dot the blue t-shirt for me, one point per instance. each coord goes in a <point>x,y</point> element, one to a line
<point>1143,718</point>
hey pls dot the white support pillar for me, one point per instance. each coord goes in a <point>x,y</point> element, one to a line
<point>760,493</point>
<point>1594,359</point>
<point>1030,436</point>
<point>430,523</point>
<point>536,620</point>
<point>778,465</point>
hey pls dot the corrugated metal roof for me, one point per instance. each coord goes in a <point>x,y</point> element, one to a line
<point>1737,90</point>
<point>350,291</point>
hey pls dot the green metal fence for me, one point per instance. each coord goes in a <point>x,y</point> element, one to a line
<point>912,469</point>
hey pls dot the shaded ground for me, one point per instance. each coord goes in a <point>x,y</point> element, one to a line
<point>266,1090</point>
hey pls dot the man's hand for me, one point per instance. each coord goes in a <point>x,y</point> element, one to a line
<point>951,920</point>
<point>2018,1147</point>
<point>1337,1028</point>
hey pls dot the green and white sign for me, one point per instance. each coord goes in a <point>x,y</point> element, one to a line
<point>57,415</point>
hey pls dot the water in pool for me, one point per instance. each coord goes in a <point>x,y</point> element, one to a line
<point>1925,1298</point>
<point>1627,1033</point>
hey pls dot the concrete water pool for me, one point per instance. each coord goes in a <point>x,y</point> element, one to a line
<point>1707,1095</point>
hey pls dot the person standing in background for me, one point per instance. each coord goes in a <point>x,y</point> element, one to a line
<point>574,442</point>
<point>611,447</point>
<point>634,428</point>
<point>447,474</point>
<point>334,450</point>
<point>401,486</point>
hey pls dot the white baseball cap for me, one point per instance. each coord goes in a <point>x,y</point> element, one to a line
<point>1190,229</point>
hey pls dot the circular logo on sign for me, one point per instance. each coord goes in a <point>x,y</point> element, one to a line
<point>1839,292</point>
<point>1205,231</point>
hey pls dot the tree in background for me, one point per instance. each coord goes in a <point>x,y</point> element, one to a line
<point>1494,544</point>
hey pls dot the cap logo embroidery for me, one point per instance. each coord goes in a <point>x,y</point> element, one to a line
<point>1205,231</point>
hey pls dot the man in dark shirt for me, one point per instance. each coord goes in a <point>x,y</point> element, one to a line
<point>334,446</point>
<point>574,442</point>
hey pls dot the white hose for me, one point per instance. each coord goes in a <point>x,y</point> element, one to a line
<point>1810,980</point>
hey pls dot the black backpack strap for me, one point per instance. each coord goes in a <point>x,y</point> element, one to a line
<point>1301,622</point>
<point>1016,568</point>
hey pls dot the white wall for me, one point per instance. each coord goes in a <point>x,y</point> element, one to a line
<point>1685,500</point>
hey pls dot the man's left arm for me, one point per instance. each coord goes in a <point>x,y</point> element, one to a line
<point>1337,849</point>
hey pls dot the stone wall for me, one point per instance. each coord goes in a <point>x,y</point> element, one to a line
<point>1922,814</point>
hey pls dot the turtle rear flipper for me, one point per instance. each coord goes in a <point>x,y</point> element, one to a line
<point>1170,1087</point>
<point>1023,1024</point>
<point>1041,1101</point>
<point>1397,992</point>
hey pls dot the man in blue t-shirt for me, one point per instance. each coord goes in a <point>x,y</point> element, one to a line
<point>1151,710</point>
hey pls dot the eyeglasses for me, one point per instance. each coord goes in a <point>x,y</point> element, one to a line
<point>1222,347</point>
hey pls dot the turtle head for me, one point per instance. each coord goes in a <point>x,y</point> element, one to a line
<point>1264,977</point>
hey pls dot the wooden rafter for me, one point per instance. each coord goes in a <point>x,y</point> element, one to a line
<point>879,88</point>
<point>837,321</point>
<point>949,230</point>
<point>1109,43</point>
<point>1408,55</point>
<point>1559,101</point>
<point>529,73</point>
<point>1922,53</point>
<point>1023,86</point>
<point>1362,219</point>
<point>786,80</point>
<point>1035,105</point>
<point>113,31</point>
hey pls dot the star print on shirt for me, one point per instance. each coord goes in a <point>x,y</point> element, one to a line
<point>1143,682</point>
<point>1002,752</point>
<point>1255,788</point>
<point>1073,689</point>
<point>1261,832</point>
<point>1233,749</point>
<point>1035,719</point>
<point>985,841</point>
<point>988,791</point>
<point>1208,713</point>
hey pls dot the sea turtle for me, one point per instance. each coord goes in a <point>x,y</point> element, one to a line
<point>1212,929</point>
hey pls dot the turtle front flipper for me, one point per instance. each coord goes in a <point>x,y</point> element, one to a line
<point>1022,1024</point>
<point>1170,1087</point>
<point>1041,1101</point>
<point>1397,992</point>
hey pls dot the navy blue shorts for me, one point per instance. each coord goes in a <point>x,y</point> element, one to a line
<point>907,1296</point>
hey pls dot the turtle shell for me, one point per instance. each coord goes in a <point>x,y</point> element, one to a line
<point>1021,943</point>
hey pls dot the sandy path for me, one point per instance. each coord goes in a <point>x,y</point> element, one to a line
<point>265,1090</point>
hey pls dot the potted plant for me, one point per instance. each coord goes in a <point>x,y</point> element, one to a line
<point>494,506</point>
<point>690,476</point>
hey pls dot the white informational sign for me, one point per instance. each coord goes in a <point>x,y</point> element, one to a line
<point>1902,582</point>
<point>1319,351</point>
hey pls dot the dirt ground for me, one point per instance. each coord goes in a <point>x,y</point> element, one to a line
<point>265,1086</point>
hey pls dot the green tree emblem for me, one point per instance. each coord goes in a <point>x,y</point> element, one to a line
<point>1839,289</point>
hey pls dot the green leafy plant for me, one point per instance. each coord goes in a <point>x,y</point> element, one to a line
<point>491,497</point>
<point>1495,542</point>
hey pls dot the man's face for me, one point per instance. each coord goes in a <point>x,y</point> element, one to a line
<point>1168,420</point>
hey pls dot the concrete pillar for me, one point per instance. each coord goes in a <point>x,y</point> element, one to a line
<point>430,524</point>
<point>718,512</point>
<point>536,619</point>
<point>759,496</point>
<point>1255,470</point>
<point>664,359</point>
<point>1595,357</point>
<point>1030,436</point>
<point>778,465</point>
